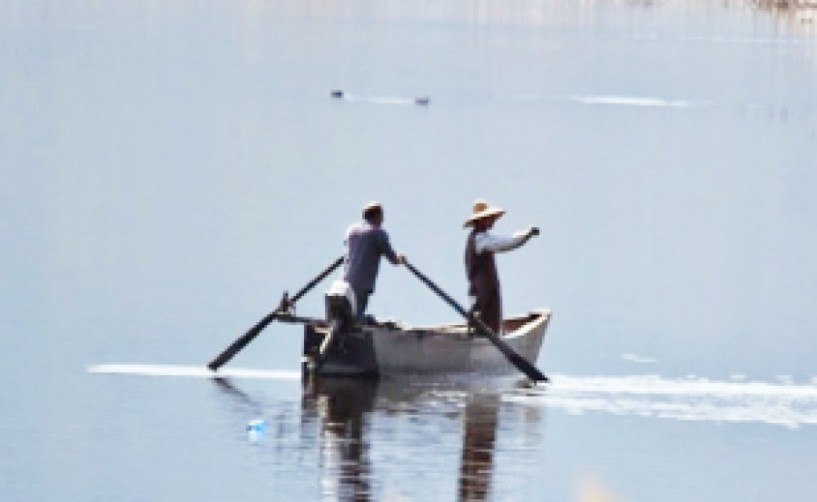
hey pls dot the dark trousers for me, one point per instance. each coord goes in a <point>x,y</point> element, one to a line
<point>362,300</point>
<point>488,305</point>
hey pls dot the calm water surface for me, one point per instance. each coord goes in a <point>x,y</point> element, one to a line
<point>170,168</point>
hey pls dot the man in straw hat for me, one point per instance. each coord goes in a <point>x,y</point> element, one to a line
<point>366,242</point>
<point>480,267</point>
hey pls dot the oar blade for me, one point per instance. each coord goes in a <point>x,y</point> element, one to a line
<point>229,353</point>
<point>238,345</point>
<point>515,358</point>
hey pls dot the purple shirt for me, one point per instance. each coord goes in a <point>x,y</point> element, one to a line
<point>365,245</point>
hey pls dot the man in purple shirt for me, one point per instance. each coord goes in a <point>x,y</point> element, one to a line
<point>366,242</point>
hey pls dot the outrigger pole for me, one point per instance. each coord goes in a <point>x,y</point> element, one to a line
<point>283,310</point>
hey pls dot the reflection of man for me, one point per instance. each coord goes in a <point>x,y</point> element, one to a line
<point>366,242</point>
<point>480,267</point>
<point>479,435</point>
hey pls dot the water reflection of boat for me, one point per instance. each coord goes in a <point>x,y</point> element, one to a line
<point>388,348</point>
<point>343,410</point>
<point>339,411</point>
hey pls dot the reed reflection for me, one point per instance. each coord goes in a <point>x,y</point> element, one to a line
<point>801,15</point>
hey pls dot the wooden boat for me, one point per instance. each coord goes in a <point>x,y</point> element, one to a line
<point>390,348</point>
<point>340,346</point>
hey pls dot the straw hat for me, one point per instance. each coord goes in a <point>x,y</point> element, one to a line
<point>483,210</point>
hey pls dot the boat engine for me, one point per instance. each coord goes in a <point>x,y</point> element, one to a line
<point>340,314</point>
<point>340,304</point>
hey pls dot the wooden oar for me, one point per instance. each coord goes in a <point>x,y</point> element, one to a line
<point>520,362</point>
<point>282,309</point>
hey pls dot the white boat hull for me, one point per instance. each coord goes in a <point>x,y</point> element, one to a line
<point>388,349</point>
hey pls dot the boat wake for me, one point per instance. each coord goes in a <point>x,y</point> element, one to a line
<point>381,100</point>
<point>780,403</point>
<point>614,100</point>
<point>689,399</point>
<point>164,370</point>
<point>648,102</point>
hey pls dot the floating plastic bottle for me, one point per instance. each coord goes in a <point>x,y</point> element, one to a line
<point>256,428</point>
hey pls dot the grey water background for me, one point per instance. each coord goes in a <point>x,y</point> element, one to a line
<point>170,168</point>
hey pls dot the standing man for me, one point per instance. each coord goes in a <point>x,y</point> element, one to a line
<point>480,267</point>
<point>366,242</point>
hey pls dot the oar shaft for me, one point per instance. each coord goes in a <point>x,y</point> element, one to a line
<point>517,360</point>
<point>316,280</point>
<point>442,294</point>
